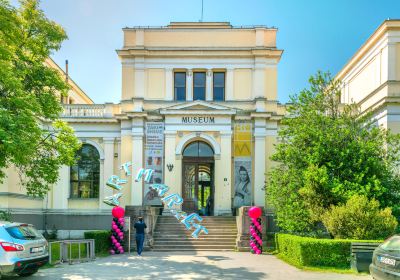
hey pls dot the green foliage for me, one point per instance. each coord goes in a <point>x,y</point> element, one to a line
<point>5,215</point>
<point>329,152</point>
<point>360,218</point>
<point>307,251</point>
<point>32,138</point>
<point>102,241</point>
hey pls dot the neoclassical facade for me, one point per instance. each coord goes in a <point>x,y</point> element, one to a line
<point>198,105</point>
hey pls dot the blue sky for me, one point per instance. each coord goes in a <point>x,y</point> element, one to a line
<point>314,34</point>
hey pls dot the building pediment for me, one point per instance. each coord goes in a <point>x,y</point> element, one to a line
<point>198,107</point>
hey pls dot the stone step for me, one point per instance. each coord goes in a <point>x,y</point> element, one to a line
<point>190,250</point>
<point>207,236</point>
<point>174,223</point>
<point>203,217</point>
<point>202,237</point>
<point>215,218</point>
<point>193,247</point>
<point>193,242</point>
<point>179,228</point>
<point>210,231</point>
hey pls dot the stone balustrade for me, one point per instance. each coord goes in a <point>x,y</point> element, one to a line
<point>87,110</point>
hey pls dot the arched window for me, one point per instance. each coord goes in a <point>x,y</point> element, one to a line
<point>198,149</point>
<point>85,174</point>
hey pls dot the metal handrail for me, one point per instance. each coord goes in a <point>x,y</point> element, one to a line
<point>66,251</point>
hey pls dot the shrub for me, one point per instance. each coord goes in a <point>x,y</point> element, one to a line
<point>5,215</point>
<point>360,218</point>
<point>101,238</point>
<point>307,251</point>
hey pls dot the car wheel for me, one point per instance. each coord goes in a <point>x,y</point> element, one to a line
<point>24,274</point>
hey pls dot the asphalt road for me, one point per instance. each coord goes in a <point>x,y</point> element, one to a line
<point>179,265</point>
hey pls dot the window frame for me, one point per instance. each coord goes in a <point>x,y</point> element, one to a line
<point>94,177</point>
<point>213,84</point>
<point>185,87</point>
<point>205,84</point>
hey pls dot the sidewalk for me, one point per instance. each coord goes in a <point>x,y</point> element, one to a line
<point>176,265</point>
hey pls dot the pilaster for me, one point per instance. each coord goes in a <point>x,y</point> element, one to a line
<point>108,170</point>
<point>259,161</point>
<point>137,160</point>
<point>189,85</point>
<point>209,96</point>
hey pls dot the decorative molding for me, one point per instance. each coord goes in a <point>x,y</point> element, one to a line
<point>198,136</point>
<point>96,145</point>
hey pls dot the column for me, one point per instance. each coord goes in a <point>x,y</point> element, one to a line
<point>209,96</point>
<point>128,77</point>
<point>229,84</point>
<point>61,190</point>
<point>259,162</point>
<point>169,87</point>
<point>259,78</point>
<point>223,176</point>
<point>137,160</point>
<point>139,83</point>
<point>392,61</point>
<point>125,155</point>
<point>108,170</point>
<point>189,85</point>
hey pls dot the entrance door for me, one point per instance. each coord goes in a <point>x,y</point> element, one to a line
<point>198,179</point>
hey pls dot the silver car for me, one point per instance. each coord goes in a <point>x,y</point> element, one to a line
<point>22,249</point>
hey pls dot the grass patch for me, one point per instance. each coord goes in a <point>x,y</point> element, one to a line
<point>73,251</point>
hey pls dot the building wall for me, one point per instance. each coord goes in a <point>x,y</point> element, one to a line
<point>149,58</point>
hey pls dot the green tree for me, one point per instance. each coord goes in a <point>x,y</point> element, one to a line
<point>360,218</point>
<point>329,152</point>
<point>32,138</point>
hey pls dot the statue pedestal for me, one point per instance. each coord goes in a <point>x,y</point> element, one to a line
<point>243,222</point>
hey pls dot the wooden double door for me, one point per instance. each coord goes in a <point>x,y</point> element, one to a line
<point>198,185</point>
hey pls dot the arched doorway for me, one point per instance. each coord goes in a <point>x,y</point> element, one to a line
<point>198,178</point>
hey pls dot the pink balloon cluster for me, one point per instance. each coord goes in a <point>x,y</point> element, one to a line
<point>117,233</point>
<point>255,230</point>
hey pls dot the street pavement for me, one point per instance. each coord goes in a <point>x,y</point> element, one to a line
<point>193,265</point>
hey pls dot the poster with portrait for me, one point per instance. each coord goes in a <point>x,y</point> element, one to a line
<point>243,183</point>
<point>242,145</point>
<point>154,151</point>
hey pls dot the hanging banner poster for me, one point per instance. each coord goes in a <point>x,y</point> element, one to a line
<point>242,144</point>
<point>154,151</point>
<point>242,192</point>
<point>242,139</point>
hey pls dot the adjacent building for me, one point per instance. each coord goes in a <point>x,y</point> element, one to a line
<point>371,78</point>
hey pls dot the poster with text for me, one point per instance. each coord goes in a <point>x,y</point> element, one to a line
<point>242,173</point>
<point>242,139</point>
<point>154,151</point>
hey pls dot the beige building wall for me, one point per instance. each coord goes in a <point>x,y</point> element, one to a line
<point>155,83</point>
<point>243,84</point>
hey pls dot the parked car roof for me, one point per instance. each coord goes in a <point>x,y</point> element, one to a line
<point>8,224</point>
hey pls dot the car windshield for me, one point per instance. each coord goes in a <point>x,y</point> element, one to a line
<point>392,244</point>
<point>23,232</point>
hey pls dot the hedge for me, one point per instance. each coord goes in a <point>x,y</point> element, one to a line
<point>308,251</point>
<point>102,242</point>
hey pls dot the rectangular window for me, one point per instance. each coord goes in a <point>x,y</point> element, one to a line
<point>180,86</point>
<point>199,86</point>
<point>219,86</point>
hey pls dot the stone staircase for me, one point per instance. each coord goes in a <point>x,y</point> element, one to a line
<point>171,235</point>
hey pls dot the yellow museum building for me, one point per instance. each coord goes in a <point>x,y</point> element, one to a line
<point>199,105</point>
